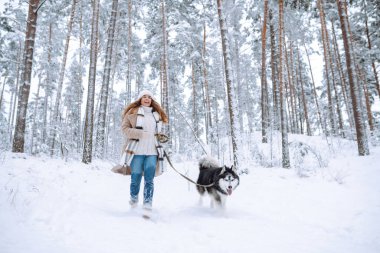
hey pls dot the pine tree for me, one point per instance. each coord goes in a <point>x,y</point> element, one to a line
<point>305,107</point>
<point>208,116</point>
<point>360,130</point>
<point>104,93</point>
<point>72,100</point>
<point>284,133</point>
<point>89,116</point>
<point>165,66</point>
<point>31,27</point>
<point>61,78</point>
<point>325,44</point>
<point>274,74</point>
<point>129,63</point>
<point>228,75</point>
<point>264,88</point>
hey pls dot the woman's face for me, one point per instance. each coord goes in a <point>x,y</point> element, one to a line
<point>146,100</point>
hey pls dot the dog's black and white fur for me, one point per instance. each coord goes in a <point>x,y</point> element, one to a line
<point>224,180</point>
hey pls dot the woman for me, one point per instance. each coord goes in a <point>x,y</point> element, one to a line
<point>142,120</point>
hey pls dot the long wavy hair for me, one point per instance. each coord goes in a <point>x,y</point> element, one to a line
<point>133,107</point>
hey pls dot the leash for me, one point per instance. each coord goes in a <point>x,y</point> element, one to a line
<point>200,143</point>
<point>184,176</point>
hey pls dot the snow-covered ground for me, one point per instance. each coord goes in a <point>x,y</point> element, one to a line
<point>52,206</point>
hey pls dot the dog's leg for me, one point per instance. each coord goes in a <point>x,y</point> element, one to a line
<point>220,200</point>
<point>223,200</point>
<point>201,191</point>
<point>212,204</point>
<point>215,199</point>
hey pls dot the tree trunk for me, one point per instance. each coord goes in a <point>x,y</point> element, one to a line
<point>208,117</point>
<point>89,121</point>
<point>111,125</point>
<point>337,99</point>
<point>195,114</point>
<point>274,74</point>
<point>128,88</point>
<point>79,124</point>
<point>31,27</point>
<point>13,104</point>
<point>370,48</point>
<point>240,100</point>
<point>47,87</point>
<point>359,79</point>
<point>367,101</point>
<point>100,133</point>
<point>264,89</point>
<point>308,129</point>
<point>338,110</point>
<point>165,84</point>
<point>342,78</point>
<point>61,77</point>
<point>326,59</point>
<point>321,122</point>
<point>228,75</point>
<point>328,49</point>
<point>360,130</point>
<point>2,92</point>
<point>291,105</point>
<point>293,90</point>
<point>288,104</point>
<point>284,133</point>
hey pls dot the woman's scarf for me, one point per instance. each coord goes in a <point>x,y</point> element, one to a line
<point>132,144</point>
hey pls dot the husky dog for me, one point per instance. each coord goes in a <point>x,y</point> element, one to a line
<point>224,180</point>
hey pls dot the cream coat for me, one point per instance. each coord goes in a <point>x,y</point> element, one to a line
<point>130,132</point>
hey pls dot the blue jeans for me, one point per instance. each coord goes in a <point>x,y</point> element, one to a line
<point>140,164</point>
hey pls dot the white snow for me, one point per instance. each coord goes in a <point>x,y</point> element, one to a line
<point>52,206</point>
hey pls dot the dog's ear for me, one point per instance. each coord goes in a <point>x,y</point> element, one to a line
<point>223,169</point>
<point>233,168</point>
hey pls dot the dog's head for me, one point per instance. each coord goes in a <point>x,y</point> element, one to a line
<point>228,179</point>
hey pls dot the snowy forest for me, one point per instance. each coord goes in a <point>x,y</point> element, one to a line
<point>227,68</point>
<point>287,91</point>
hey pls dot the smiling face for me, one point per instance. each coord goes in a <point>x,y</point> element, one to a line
<point>146,100</point>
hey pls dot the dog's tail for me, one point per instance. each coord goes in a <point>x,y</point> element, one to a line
<point>208,162</point>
